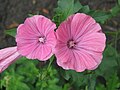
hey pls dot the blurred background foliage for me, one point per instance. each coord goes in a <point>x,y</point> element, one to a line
<point>36,75</point>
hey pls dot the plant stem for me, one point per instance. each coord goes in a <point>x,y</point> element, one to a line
<point>116,55</point>
<point>51,60</point>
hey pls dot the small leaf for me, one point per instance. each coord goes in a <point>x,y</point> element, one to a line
<point>77,6</point>
<point>113,82</point>
<point>85,9</point>
<point>115,10</point>
<point>30,15</point>
<point>101,16</point>
<point>119,2</point>
<point>92,82</point>
<point>100,87</point>
<point>11,32</point>
<point>66,8</point>
<point>78,79</point>
<point>22,86</point>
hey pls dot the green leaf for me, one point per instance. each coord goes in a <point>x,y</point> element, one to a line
<point>30,15</point>
<point>113,82</point>
<point>85,9</point>
<point>100,87</point>
<point>15,82</point>
<point>115,10</point>
<point>78,79</point>
<point>11,32</point>
<point>22,86</point>
<point>92,82</point>
<point>66,8</point>
<point>31,70</point>
<point>77,6</point>
<point>101,16</point>
<point>119,2</point>
<point>66,87</point>
<point>50,80</point>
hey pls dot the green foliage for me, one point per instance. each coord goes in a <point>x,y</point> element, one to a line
<point>11,32</point>
<point>85,9</point>
<point>115,10</point>
<point>47,80</point>
<point>75,78</point>
<point>101,16</point>
<point>100,87</point>
<point>27,75</point>
<point>65,8</point>
<point>113,82</point>
<point>15,83</point>
<point>118,2</point>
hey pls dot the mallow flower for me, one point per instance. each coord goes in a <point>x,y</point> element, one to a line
<point>36,38</point>
<point>80,43</point>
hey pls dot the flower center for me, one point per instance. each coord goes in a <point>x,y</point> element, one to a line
<point>42,39</point>
<point>71,44</point>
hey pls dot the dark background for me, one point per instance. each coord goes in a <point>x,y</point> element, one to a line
<point>14,12</point>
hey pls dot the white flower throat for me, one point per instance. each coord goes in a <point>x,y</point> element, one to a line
<point>71,44</point>
<point>42,39</point>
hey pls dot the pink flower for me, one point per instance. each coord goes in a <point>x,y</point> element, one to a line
<point>80,43</point>
<point>7,57</point>
<point>35,38</point>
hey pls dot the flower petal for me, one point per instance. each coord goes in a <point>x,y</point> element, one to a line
<point>82,24</point>
<point>7,57</point>
<point>94,42</point>
<point>63,31</point>
<point>45,25</point>
<point>44,52</point>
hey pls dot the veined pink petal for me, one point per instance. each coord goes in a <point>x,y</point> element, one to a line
<point>94,42</point>
<point>7,57</point>
<point>79,65</point>
<point>88,60</point>
<point>46,26</point>
<point>83,25</point>
<point>45,54</point>
<point>29,51</point>
<point>51,39</point>
<point>36,38</point>
<point>78,23</point>
<point>61,33</point>
<point>82,36</point>
<point>25,32</point>
<point>31,25</point>
<point>64,32</point>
